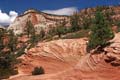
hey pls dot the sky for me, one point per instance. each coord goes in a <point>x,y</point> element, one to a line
<point>10,9</point>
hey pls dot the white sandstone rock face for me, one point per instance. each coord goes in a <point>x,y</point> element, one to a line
<point>38,19</point>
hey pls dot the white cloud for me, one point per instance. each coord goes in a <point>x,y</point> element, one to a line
<point>13,15</point>
<point>63,11</point>
<point>6,19</point>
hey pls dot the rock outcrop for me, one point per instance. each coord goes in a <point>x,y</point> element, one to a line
<point>104,66</point>
<point>38,19</point>
<point>54,56</point>
<point>46,21</point>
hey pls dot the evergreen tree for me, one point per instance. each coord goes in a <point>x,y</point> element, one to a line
<point>29,28</point>
<point>12,41</point>
<point>74,20</point>
<point>101,32</point>
<point>61,28</point>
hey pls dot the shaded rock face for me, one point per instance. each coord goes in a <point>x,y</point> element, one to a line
<point>104,66</point>
<point>38,19</point>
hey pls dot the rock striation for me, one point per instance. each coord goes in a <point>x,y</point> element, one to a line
<point>103,66</point>
<point>38,19</point>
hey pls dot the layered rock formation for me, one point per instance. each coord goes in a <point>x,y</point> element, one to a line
<point>104,66</point>
<point>38,19</point>
<point>66,59</point>
<point>46,21</point>
<point>54,56</point>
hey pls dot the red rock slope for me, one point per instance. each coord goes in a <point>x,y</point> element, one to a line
<point>104,66</point>
<point>53,56</point>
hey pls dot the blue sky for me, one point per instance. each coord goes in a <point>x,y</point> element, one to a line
<point>22,5</point>
<point>10,9</point>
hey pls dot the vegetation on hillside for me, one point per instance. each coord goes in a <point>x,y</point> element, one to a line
<point>101,32</point>
<point>7,56</point>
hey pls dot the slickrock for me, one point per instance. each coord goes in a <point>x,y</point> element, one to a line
<point>103,66</point>
<point>54,56</point>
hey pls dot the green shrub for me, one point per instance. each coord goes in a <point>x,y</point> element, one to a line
<point>38,71</point>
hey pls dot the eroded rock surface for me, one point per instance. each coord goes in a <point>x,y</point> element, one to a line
<point>104,66</point>
<point>54,56</point>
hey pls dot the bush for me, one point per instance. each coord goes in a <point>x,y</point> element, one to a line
<point>38,71</point>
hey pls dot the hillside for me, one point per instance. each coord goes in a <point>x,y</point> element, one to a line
<point>60,45</point>
<point>90,67</point>
<point>49,21</point>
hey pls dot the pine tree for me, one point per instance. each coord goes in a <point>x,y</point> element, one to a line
<point>101,32</point>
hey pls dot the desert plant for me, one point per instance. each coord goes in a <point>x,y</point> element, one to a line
<point>38,71</point>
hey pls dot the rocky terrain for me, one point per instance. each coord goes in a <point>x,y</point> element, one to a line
<point>38,19</point>
<point>47,21</point>
<point>54,56</point>
<point>66,60</point>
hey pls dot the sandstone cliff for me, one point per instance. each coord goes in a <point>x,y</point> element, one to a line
<point>38,19</point>
<point>46,21</point>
